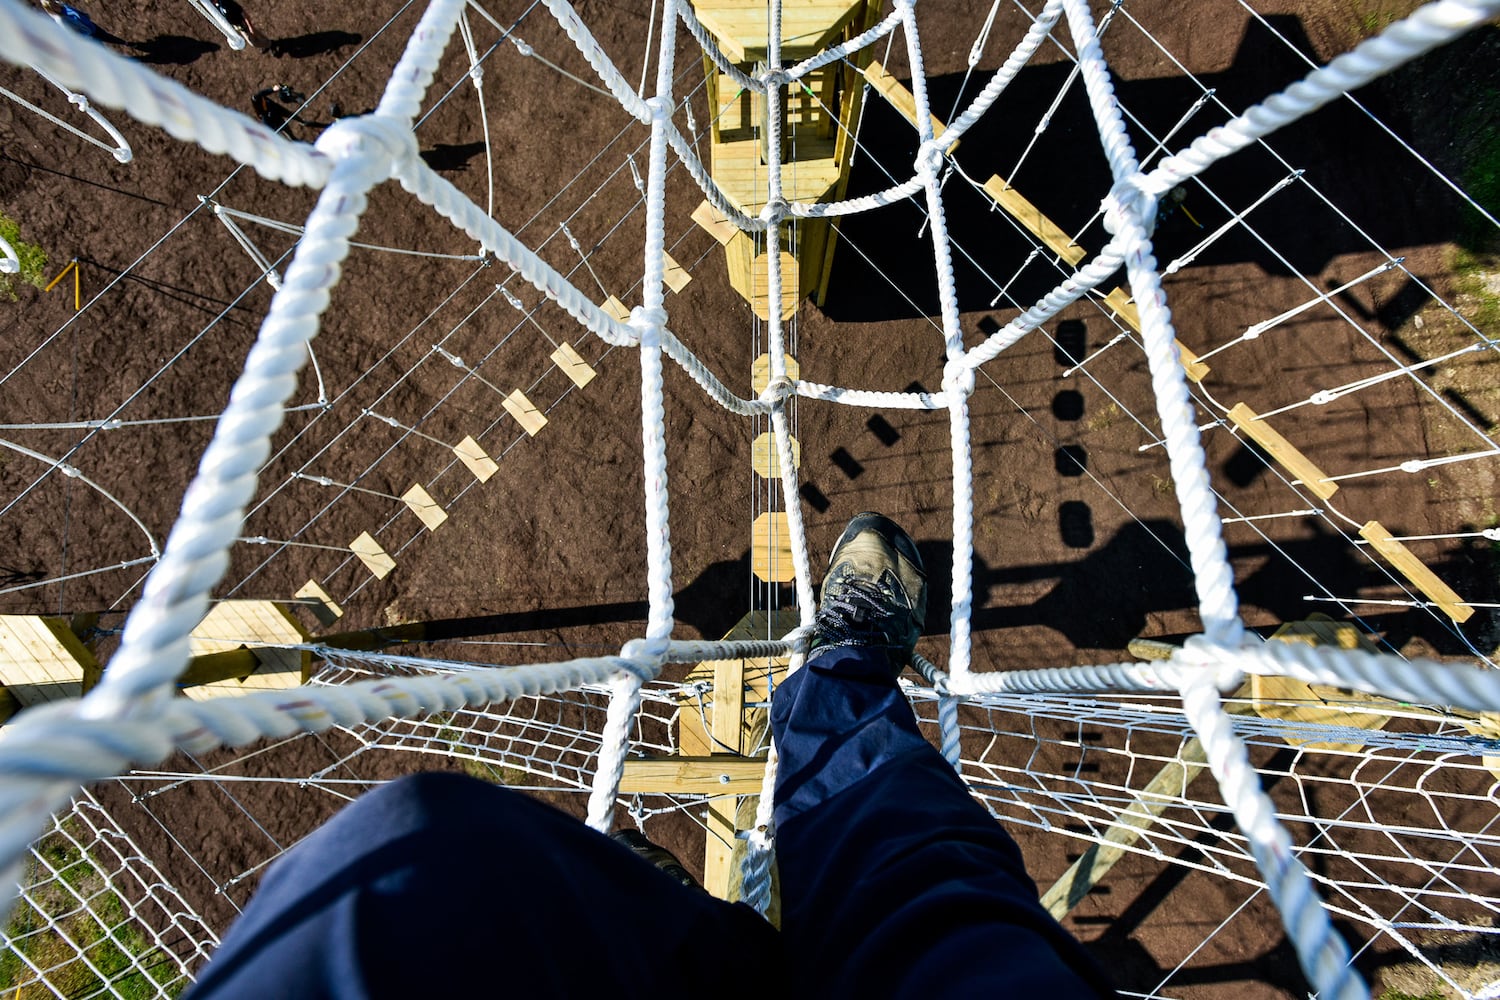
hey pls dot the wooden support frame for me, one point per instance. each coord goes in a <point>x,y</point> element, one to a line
<point>715,774</point>
<point>1285,453</point>
<point>1416,571</point>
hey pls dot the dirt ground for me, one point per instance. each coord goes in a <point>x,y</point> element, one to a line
<point>1078,548</point>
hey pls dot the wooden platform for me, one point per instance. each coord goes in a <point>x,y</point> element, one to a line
<point>42,660</point>
<point>251,624</point>
<point>807,26</point>
<point>1322,704</point>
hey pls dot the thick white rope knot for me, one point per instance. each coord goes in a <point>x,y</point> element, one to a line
<point>958,378</point>
<point>774,211</point>
<point>660,108</point>
<point>929,162</point>
<point>654,650</point>
<point>1131,194</point>
<point>774,78</point>
<point>387,140</point>
<point>777,390</point>
<point>648,324</point>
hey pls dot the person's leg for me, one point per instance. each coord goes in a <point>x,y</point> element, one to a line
<point>894,881</point>
<point>442,885</point>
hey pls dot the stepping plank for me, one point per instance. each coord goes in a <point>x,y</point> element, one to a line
<point>426,508</point>
<point>479,463</point>
<point>1119,301</point>
<point>760,371</point>
<point>760,286</point>
<point>1416,571</point>
<point>318,601</point>
<point>1298,464</point>
<point>527,415</point>
<point>720,228</point>
<point>676,275</point>
<point>616,308</point>
<point>717,774</point>
<point>763,457</point>
<point>572,365</point>
<point>771,548</point>
<point>372,555</point>
<point>742,27</point>
<point>1028,215</point>
<point>901,99</point>
<point>42,660</point>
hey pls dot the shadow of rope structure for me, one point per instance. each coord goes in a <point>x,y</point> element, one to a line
<point>131,717</point>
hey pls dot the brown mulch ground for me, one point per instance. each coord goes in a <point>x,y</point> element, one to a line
<point>1069,567</point>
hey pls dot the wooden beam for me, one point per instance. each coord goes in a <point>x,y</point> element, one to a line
<point>1119,301</point>
<point>725,727</point>
<point>715,774</point>
<point>1279,448</point>
<point>1028,215</point>
<point>1416,571</point>
<point>1297,701</point>
<point>901,99</point>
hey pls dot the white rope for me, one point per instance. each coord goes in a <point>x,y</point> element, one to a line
<point>10,261</point>
<point>208,10</point>
<point>32,39</point>
<point>120,150</point>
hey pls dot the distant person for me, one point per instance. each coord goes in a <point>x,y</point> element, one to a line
<point>71,17</point>
<point>240,21</point>
<point>894,881</point>
<point>270,111</point>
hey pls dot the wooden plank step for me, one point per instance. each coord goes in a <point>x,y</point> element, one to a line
<point>771,548</point>
<point>717,226</point>
<point>1416,571</point>
<point>763,457</point>
<point>375,558</point>
<point>1023,211</point>
<point>524,410</point>
<point>1119,301</point>
<point>896,94</point>
<point>715,774</point>
<point>1322,704</point>
<point>579,371</point>
<point>1298,464</point>
<point>428,510</point>
<point>317,600</point>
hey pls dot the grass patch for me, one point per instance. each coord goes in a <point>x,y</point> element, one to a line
<point>76,929</point>
<point>33,260</point>
<point>1479,133</point>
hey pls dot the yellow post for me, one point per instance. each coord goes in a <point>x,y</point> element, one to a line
<point>77,285</point>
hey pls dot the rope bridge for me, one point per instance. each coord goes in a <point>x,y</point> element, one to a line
<point>130,718</point>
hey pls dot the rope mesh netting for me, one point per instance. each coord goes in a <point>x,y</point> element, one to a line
<point>1355,804</point>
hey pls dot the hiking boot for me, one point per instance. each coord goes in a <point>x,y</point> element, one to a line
<point>875,593</point>
<point>656,855</point>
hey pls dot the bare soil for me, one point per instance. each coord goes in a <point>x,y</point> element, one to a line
<point>1070,563</point>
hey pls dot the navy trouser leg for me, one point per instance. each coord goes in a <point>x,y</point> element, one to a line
<point>440,885</point>
<point>894,881</point>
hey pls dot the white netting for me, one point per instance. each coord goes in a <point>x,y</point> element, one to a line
<point>572,723</point>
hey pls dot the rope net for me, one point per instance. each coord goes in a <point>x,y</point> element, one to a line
<point>1388,828</point>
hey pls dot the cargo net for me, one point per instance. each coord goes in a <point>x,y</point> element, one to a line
<point>1418,796</point>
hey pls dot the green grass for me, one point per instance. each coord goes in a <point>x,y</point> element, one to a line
<point>1479,132</point>
<point>64,938</point>
<point>33,260</point>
